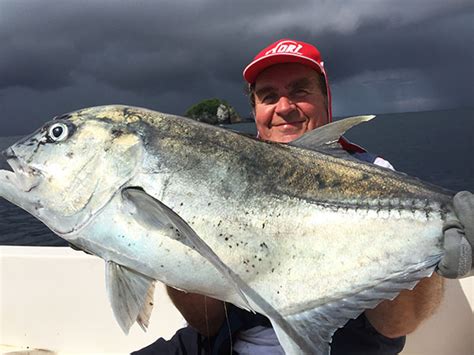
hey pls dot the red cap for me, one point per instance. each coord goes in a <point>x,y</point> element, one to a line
<point>288,51</point>
<point>284,51</point>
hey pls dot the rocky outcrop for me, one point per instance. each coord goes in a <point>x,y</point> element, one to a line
<point>213,111</point>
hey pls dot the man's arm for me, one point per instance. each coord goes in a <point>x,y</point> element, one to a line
<point>403,315</point>
<point>205,314</point>
<point>390,318</point>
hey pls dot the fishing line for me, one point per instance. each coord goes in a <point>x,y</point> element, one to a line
<point>207,324</point>
<point>228,327</point>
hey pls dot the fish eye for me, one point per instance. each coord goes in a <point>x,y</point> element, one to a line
<point>58,132</point>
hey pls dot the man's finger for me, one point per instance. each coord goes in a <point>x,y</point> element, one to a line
<point>457,260</point>
<point>464,207</point>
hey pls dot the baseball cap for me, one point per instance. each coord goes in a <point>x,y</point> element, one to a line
<point>284,51</point>
<point>288,51</point>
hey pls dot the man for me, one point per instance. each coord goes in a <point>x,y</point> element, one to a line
<point>290,95</point>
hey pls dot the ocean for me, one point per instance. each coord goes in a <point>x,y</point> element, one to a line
<point>436,146</point>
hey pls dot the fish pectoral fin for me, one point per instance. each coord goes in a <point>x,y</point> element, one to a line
<point>319,323</point>
<point>156,215</point>
<point>130,294</point>
<point>329,133</point>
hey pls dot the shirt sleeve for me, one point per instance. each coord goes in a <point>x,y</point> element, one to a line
<point>383,163</point>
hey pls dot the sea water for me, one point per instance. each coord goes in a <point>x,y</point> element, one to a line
<point>436,146</point>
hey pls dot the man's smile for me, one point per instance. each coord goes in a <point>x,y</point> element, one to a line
<point>287,124</point>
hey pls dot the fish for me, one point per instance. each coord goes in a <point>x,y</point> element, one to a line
<point>302,233</point>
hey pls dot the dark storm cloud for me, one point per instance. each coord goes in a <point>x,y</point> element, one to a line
<point>423,58</point>
<point>381,56</point>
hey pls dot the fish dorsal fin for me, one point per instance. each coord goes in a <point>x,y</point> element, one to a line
<point>130,294</point>
<point>327,134</point>
<point>319,323</point>
<point>156,215</point>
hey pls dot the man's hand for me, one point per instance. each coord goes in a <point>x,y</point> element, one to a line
<point>458,260</point>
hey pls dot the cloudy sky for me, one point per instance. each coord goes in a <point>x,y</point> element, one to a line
<point>381,55</point>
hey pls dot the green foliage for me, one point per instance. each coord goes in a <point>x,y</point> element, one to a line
<point>213,111</point>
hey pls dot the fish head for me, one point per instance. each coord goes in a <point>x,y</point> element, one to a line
<point>71,167</point>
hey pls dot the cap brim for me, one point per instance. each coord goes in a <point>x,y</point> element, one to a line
<point>257,66</point>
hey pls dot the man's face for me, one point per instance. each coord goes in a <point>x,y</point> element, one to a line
<point>288,102</point>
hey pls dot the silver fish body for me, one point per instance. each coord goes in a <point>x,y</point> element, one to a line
<point>308,238</point>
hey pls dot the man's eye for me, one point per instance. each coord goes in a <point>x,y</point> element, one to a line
<point>300,93</point>
<point>270,98</point>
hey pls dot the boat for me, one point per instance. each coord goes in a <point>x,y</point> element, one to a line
<point>53,300</point>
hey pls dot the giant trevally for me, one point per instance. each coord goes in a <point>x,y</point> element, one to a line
<point>301,233</point>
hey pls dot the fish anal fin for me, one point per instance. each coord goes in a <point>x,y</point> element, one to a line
<point>130,294</point>
<point>318,324</point>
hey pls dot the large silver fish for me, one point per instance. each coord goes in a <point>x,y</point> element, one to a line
<point>301,233</point>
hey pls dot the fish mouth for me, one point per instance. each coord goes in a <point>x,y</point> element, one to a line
<point>26,177</point>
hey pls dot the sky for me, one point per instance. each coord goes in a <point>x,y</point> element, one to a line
<point>382,56</point>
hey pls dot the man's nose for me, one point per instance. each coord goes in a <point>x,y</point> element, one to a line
<point>284,106</point>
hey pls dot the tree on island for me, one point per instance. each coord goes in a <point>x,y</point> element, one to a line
<point>213,111</point>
